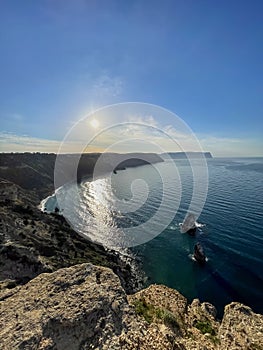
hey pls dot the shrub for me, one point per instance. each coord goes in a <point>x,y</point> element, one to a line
<point>150,313</point>
<point>205,327</point>
<point>167,317</point>
<point>145,310</point>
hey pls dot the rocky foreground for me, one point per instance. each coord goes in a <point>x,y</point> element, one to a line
<point>85,307</point>
<point>53,294</point>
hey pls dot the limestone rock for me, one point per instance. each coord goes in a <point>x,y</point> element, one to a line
<point>71,309</point>
<point>85,307</point>
<point>241,328</point>
<point>167,304</point>
<point>81,307</point>
<point>162,296</point>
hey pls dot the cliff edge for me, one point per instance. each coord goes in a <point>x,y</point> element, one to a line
<point>85,307</point>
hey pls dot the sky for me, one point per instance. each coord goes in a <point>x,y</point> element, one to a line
<point>62,59</point>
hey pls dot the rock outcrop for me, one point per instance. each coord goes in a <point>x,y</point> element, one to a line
<point>241,328</point>
<point>85,307</point>
<point>78,307</point>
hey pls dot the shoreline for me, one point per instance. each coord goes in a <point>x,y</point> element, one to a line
<point>53,281</point>
<point>32,199</point>
<point>125,256</point>
<point>33,242</point>
<point>31,178</point>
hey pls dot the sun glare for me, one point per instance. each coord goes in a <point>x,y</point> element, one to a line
<point>94,123</point>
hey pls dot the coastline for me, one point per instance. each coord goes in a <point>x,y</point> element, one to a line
<point>33,242</point>
<point>45,242</point>
<point>43,260</point>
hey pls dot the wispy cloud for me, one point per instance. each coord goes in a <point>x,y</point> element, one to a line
<point>236,147</point>
<point>135,138</point>
<point>148,120</point>
<point>107,86</point>
<point>10,142</point>
<point>12,117</point>
<point>144,134</point>
<point>92,91</point>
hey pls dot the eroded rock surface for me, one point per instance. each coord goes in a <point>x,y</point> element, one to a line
<point>85,307</point>
<point>241,328</point>
<point>78,307</point>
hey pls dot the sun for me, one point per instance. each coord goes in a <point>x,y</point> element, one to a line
<point>94,123</point>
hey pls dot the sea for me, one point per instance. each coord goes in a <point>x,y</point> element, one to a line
<point>230,226</point>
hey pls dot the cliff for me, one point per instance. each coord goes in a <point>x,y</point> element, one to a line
<point>185,155</point>
<point>85,307</point>
<point>32,242</point>
<point>35,171</point>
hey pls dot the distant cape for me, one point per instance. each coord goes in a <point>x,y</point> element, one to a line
<point>185,155</point>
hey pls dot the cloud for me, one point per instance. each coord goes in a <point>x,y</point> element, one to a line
<point>99,89</point>
<point>107,86</point>
<point>92,91</point>
<point>10,142</point>
<point>136,138</point>
<point>232,147</point>
<point>12,117</point>
<point>145,134</point>
<point>154,138</point>
<point>147,119</point>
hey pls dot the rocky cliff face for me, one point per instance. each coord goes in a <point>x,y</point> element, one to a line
<point>32,242</point>
<point>35,171</point>
<point>85,307</point>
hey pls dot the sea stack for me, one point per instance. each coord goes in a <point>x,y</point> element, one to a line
<point>199,254</point>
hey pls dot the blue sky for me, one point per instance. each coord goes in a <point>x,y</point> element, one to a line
<point>202,60</point>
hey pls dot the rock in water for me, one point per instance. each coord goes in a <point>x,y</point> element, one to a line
<point>189,225</point>
<point>199,254</point>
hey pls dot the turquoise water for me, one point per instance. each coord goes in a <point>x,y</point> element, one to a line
<point>231,234</point>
